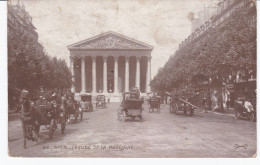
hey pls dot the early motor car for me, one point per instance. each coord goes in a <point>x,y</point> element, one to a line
<point>131,106</point>
<point>101,101</point>
<point>86,103</point>
<point>154,103</point>
<point>73,110</point>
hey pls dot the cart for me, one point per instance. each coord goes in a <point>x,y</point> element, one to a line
<point>181,105</point>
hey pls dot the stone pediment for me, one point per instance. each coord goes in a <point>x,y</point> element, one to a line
<point>110,40</point>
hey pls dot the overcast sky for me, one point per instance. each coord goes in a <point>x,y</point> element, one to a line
<point>161,23</point>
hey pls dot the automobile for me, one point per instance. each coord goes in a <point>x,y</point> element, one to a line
<point>241,112</point>
<point>154,104</point>
<point>86,103</point>
<point>101,101</point>
<point>131,107</point>
<point>73,110</point>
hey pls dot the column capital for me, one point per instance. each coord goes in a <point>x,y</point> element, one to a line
<point>93,58</point>
<point>82,57</point>
<point>105,58</point>
<point>116,57</point>
<point>127,58</point>
<point>138,57</point>
<point>149,57</point>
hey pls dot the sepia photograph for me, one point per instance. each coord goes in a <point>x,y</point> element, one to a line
<point>132,78</point>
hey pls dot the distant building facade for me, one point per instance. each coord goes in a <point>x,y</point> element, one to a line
<point>207,23</point>
<point>203,16</point>
<point>18,19</point>
<point>224,9</point>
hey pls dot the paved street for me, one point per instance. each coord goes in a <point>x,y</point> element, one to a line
<point>100,134</point>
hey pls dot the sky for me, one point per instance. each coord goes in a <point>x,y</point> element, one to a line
<point>161,23</point>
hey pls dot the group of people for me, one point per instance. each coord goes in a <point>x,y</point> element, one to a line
<point>26,101</point>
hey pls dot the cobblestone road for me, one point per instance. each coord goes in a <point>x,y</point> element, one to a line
<point>100,134</point>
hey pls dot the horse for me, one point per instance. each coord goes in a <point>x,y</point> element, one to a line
<point>30,121</point>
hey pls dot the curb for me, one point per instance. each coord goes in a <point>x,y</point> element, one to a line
<point>210,112</point>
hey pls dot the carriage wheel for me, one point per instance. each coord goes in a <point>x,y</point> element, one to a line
<point>51,129</point>
<point>81,116</point>
<point>141,119</point>
<point>91,108</point>
<point>124,116</point>
<point>191,112</point>
<point>236,115</point>
<point>63,124</point>
<point>251,117</point>
<point>76,118</point>
<point>176,109</point>
<point>35,131</point>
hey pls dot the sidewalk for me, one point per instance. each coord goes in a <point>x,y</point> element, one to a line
<point>230,112</point>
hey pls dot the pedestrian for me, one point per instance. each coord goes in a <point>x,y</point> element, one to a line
<point>204,104</point>
<point>214,101</point>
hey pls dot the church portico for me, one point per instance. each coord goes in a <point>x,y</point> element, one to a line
<point>110,64</point>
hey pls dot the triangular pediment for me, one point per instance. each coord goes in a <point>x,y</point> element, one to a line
<point>110,40</point>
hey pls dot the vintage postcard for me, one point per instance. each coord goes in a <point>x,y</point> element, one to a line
<point>132,78</point>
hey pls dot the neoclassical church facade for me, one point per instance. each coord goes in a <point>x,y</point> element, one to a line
<point>110,64</point>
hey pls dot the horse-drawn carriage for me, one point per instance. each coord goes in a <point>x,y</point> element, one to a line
<point>154,103</point>
<point>131,106</point>
<point>86,103</point>
<point>38,113</point>
<point>101,101</point>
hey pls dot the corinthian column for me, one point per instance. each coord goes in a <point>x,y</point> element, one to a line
<point>105,74</point>
<point>94,74</point>
<point>83,77</point>
<point>137,78</point>
<point>148,74</point>
<point>116,74</point>
<point>72,74</point>
<point>126,74</point>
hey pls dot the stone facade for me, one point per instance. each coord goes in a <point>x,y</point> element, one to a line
<point>20,20</point>
<point>110,64</point>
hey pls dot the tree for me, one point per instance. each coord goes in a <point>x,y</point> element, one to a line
<point>29,66</point>
<point>227,50</point>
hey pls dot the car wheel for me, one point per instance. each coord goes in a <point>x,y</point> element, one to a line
<point>124,116</point>
<point>51,129</point>
<point>191,112</point>
<point>251,117</point>
<point>236,115</point>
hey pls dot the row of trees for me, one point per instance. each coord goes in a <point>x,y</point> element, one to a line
<point>226,51</point>
<point>29,66</point>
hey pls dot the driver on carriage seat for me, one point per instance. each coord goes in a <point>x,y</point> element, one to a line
<point>24,101</point>
<point>27,114</point>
